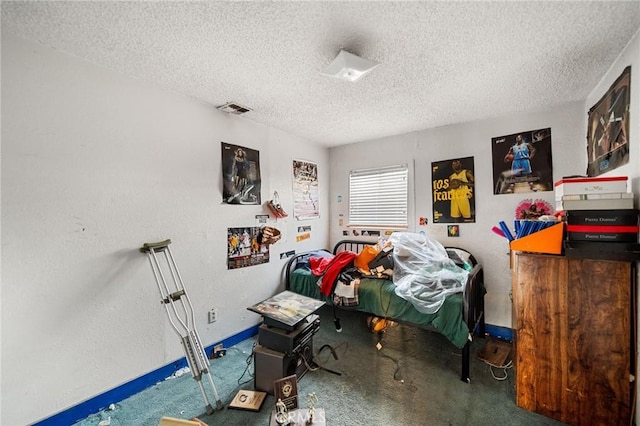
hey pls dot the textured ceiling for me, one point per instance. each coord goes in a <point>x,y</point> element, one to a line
<point>441,62</point>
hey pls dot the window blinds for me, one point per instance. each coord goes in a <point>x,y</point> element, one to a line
<point>378,197</point>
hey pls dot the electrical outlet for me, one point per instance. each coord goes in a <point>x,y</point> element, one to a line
<point>213,315</point>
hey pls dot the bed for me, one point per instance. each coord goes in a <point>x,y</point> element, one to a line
<point>460,317</point>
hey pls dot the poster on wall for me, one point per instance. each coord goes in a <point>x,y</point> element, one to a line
<point>453,196</point>
<point>305,190</point>
<point>608,128</point>
<point>243,248</point>
<point>522,162</point>
<point>240,175</point>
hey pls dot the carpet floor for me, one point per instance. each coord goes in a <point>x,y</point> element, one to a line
<point>414,379</point>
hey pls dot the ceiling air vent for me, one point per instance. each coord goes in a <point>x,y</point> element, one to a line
<point>233,108</point>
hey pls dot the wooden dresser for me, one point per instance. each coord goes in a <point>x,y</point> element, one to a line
<point>574,322</point>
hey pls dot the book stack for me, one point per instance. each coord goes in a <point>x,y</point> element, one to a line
<point>600,219</point>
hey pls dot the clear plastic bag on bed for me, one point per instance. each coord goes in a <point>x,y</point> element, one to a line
<point>423,272</point>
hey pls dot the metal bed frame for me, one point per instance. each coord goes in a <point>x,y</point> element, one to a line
<point>473,296</point>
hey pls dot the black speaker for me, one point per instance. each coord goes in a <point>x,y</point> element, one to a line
<point>270,365</point>
<point>288,342</point>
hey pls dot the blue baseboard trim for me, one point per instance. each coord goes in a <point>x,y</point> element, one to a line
<point>503,333</point>
<point>115,395</point>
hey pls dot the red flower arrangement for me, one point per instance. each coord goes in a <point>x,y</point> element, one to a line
<point>533,209</point>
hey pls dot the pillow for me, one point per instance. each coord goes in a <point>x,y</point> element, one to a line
<point>303,261</point>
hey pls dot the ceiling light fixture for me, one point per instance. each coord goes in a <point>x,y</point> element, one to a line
<point>233,108</point>
<point>347,66</point>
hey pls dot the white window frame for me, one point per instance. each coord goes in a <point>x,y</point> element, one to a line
<point>379,197</point>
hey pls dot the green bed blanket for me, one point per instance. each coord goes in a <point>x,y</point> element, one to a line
<point>378,297</point>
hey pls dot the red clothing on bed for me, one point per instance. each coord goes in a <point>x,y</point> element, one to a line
<point>329,268</point>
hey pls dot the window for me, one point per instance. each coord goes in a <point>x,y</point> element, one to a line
<point>378,197</point>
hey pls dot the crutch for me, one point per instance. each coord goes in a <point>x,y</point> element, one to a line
<point>180,312</point>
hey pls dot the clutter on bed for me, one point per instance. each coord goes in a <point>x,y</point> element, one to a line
<point>423,272</point>
<point>408,279</point>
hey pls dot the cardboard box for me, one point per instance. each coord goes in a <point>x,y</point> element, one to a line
<point>602,225</point>
<point>591,185</point>
<point>602,246</point>
<point>619,234</point>
<point>601,250</point>
<point>624,217</point>
<point>601,204</point>
<point>601,196</point>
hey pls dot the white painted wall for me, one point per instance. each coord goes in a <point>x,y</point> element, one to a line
<point>94,164</point>
<point>630,56</point>
<point>457,141</point>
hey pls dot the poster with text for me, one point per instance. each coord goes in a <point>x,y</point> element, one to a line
<point>305,190</point>
<point>608,128</point>
<point>453,191</point>
<point>522,162</point>
<point>240,175</point>
<point>243,248</point>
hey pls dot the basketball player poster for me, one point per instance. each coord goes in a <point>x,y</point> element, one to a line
<point>240,175</point>
<point>522,162</point>
<point>453,191</point>
<point>306,199</point>
<point>243,248</point>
